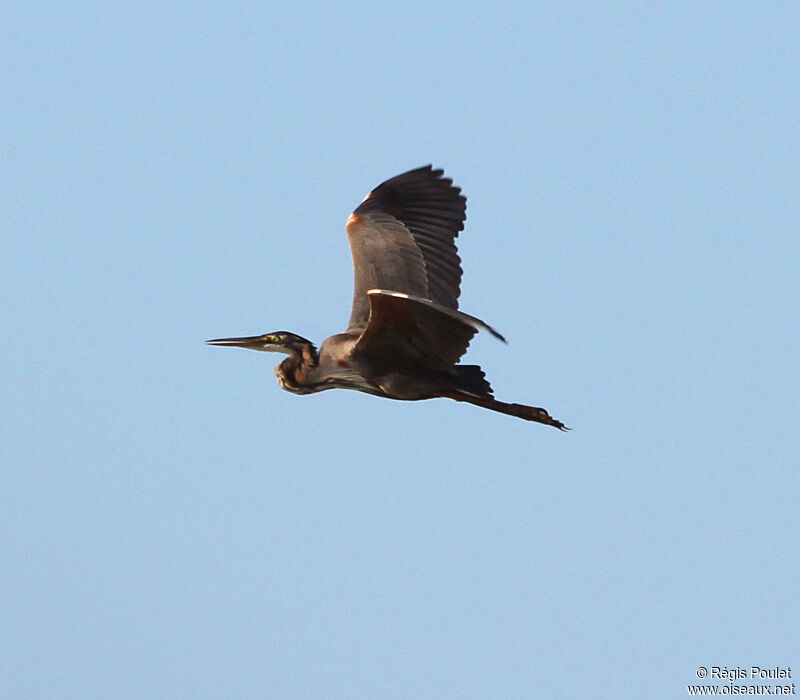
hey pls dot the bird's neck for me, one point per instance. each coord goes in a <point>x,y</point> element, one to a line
<point>296,369</point>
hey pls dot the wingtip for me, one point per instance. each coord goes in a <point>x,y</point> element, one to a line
<point>496,334</point>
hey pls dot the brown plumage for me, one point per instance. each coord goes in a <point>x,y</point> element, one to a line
<point>406,334</point>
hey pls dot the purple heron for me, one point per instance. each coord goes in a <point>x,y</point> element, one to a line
<point>406,334</point>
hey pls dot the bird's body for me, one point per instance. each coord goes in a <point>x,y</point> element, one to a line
<point>406,334</point>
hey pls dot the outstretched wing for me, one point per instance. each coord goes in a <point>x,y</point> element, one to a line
<point>406,328</point>
<point>402,237</point>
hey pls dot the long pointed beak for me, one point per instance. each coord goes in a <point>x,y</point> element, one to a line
<point>253,342</point>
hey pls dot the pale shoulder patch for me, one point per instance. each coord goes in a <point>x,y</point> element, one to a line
<point>353,220</point>
<point>391,294</point>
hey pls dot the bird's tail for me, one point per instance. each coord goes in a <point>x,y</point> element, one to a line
<point>472,380</point>
<point>531,413</point>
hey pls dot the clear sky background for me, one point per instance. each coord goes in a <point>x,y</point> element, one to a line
<point>174,525</point>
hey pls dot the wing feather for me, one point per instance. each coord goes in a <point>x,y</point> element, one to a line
<point>402,237</point>
<point>409,328</point>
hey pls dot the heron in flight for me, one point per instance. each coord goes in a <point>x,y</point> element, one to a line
<point>406,334</point>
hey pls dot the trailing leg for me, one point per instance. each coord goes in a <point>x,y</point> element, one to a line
<point>531,413</point>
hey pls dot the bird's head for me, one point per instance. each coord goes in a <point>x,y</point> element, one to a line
<point>279,341</point>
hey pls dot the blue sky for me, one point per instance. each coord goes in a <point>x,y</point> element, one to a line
<point>174,525</point>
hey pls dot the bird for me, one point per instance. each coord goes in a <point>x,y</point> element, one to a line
<point>406,335</point>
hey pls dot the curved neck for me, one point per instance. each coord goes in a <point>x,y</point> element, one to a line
<point>296,368</point>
